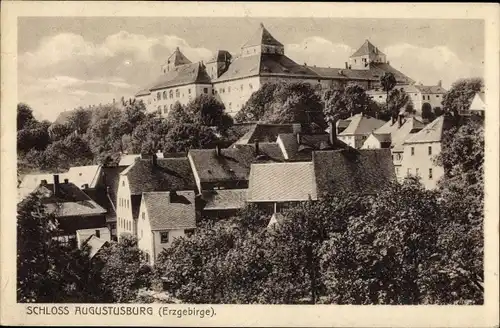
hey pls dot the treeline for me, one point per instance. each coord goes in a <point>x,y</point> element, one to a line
<point>405,245</point>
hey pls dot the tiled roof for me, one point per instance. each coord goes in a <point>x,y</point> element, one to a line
<point>342,73</point>
<point>281,182</point>
<point>265,65</point>
<point>264,133</point>
<point>302,151</point>
<point>144,92</point>
<point>367,49</point>
<point>169,210</point>
<point>181,75</point>
<point>233,164</point>
<point>378,70</point>
<point>69,201</point>
<point>126,160</point>
<point>362,125</point>
<point>433,132</point>
<point>177,58</point>
<point>362,171</point>
<point>31,181</point>
<point>268,152</point>
<point>169,174</point>
<point>430,89</point>
<point>224,199</point>
<point>399,133</point>
<point>262,36</point>
<point>96,244</point>
<point>220,56</point>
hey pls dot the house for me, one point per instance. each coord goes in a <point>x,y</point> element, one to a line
<point>274,186</point>
<point>83,235</point>
<point>261,132</point>
<point>128,159</point>
<point>392,135</point>
<point>149,174</point>
<point>73,208</point>
<point>478,105</point>
<point>233,78</point>
<point>419,95</point>
<point>164,216</point>
<point>421,149</point>
<point>358,129</point>
<point>365,171</point>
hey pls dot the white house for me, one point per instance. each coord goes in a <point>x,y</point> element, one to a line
<point>478,104</point>
<point>164,216</point>
<point>358,129</point>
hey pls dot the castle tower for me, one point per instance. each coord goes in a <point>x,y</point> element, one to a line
<point>177,58</point>
<point>218,64</point>
<point>262,42</point>
<point>365,55</point>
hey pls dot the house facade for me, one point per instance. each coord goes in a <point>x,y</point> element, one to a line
<point>358,128</point>
<point>163,217</point>
<point>262,59</point>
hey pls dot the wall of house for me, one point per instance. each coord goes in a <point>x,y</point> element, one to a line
<point>355,141</point>
<point>420,162</point>
<point>234,94</point>
<point>371,143</point>
<point>70,224</point>
<point>158,246</point>
<point>169,96</point>
<point>417,98</point>
<point>124,218</point>
<point>144,233</point>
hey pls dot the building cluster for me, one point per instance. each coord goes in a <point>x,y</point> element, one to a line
<point>159,197</point>
<point>232,78</point>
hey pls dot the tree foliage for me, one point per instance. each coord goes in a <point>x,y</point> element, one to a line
<point>397,100</point>
<point>427,111</point>
<point>347,101</point>
<point>461,94</point>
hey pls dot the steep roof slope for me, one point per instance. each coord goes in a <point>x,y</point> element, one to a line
<point>362,124</point>
<point>367,49</point>
<point>433,132</point>
<point>170,210</point>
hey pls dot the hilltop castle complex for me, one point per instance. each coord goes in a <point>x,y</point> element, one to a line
<point>233,78</point>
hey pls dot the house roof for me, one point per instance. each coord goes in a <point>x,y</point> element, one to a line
<point>366,49</point>
<point>69,201</point>
<point>81,175</point>
<point>220,56</point>
<point>224,199</point>
<point>181,75</point>
<point>264,133</point>
<point>233,164</point>
<point>177,58</point>
<point>276,219</point>
<point>262,36</point>
<point>169,174</point>
<point>265,64</point>
<point>430,89</point>
<point>96,244</point>
<point>268,152</point>
<point>378,70</point>
<point>399,133</point>
<point>293,150</point>
<point>362,171</point>
<point>144,92</point>
<point>478,102</point>
<point>31,181</point>
<point>170,210</point>
<point>433,132</point>
<point>281,182</point>
<point>128,159</point>
<point>343,73</point>
<point>362,125</point>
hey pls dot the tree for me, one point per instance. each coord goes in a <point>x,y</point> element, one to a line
<point>397,100</point>
<point>356,99</point>
<point>208,111</point>
<point>80,120</point>
<point>410,108</point>
<point>181,138</point>
<point>124,269</point>
<point>179,115</point>
<point>258,104</point>
<point>33,136</point>
<point>438,111</point>
<point>388,82</point>
<point>24,116</point>
<point>461,94</point>
<point>427,112</point>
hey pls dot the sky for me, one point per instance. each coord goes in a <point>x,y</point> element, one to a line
<point>66,62</point>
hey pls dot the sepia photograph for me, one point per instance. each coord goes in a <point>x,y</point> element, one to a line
<point>256,160</point>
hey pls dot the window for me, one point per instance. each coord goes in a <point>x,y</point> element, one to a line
<point>430,173</point>
<point>205,90</point>
<point>213,91</point>
<point>241,86</point>
<point>429,149</point>
<point>189,232</point>
<point>222,90</point>
<point>250,86</point>
<point>171,94</point>
<point>171,106</point>
<point>423,97</point>
<point>147,256</point>
<point>164,94</point>
<point>141,233</point>
<point>144,215</point>
<point>416,171</point>
<point>354,61</point>
<point>437,96</point>
<point>189,91</point>
<point>158,96</point>
<point>177,93</point>
<point>123,183</point>
<point>408,172</point>
<point>159,109</point>
<point>412,151</point>
<point>397,170</point>
<point>165,109</point>
<point>128,204</point>
<point>380,96</point>
<point>164,237</point>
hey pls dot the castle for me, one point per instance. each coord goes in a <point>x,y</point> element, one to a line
<point>233,79</point>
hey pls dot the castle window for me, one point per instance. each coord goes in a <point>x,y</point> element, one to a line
<point>164,94</point>
<point>205,90</point>
<point>189,91</point>
<point>171,94</point>
<point>412,151</point>
<point>177,93</point>
<point>158,95</point>
<point>159,109</point>
<point>354,61</point>
<point>165,109</point>
<point>430,173</point>
<point>250,86</point>
<point>164,237</point>
<point>242,87</point>
<point>429,150</point>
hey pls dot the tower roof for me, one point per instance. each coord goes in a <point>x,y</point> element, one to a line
<point>177,58</point>
<point>367,49</point>
<point>262,36</point>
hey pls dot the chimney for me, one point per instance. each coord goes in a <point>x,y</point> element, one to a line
<point>440,83</point>
<point>43,182</point>
<point>217,150</point>
<point>66,181</point>
<point>257,148</point>
<point>333,130</point>
<point>388,62</point>
<point>346,66</point>
<point>98,233</point>
<point>298,138</point>
<point>56,184</point>
<point>296,128</point>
